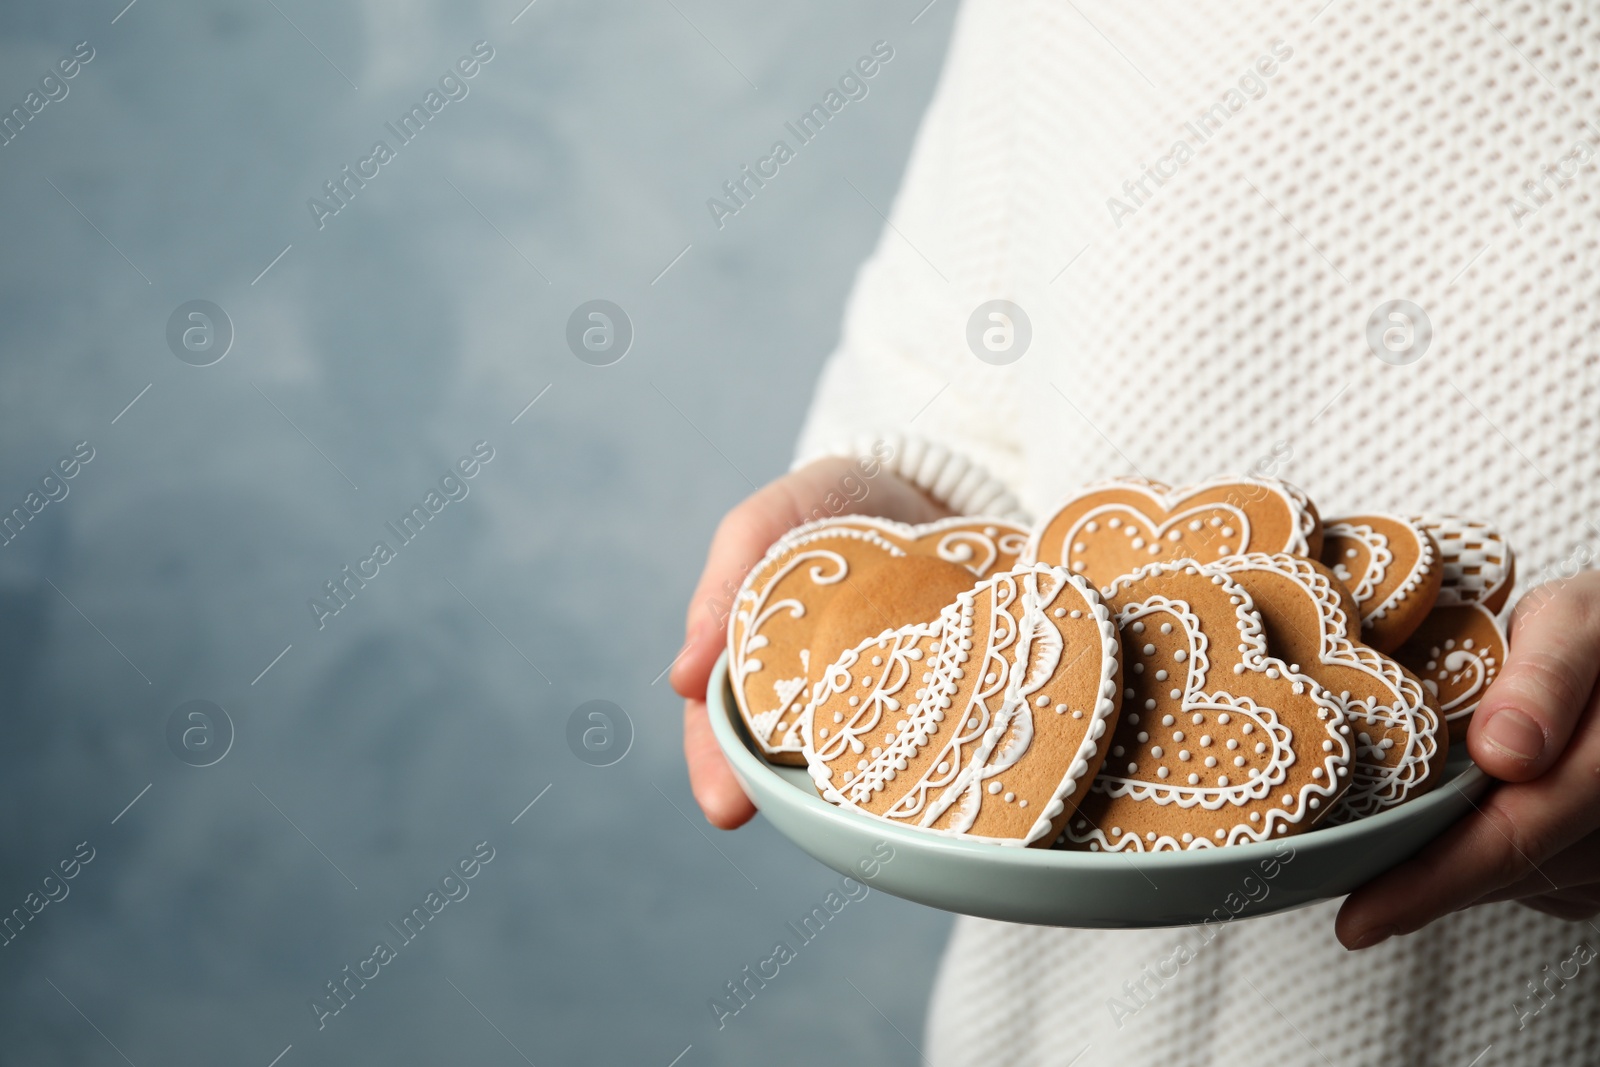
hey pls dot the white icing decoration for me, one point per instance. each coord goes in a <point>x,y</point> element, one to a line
<point>1168,501</point>
<point>828,567</point>
<point>1200,698</point>
<point>971,539</point>
<point>1476,560</point>
<point>1404,711</point>
<point>1466,671</point>
<point>1021,651</point>
<point>1379,557</point>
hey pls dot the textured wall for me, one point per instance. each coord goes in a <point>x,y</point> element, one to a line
<point>388,338</point>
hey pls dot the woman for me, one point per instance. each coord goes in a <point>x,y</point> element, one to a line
<point>1203,216</point>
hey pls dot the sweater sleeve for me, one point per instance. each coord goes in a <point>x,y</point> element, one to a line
<point>903,374</point>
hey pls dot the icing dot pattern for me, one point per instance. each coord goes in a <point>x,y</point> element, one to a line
<point>1217,755</point>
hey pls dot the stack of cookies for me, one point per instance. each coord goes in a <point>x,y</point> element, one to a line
<point>1146,669</point>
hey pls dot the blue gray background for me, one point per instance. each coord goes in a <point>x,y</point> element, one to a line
<point>426,715</point>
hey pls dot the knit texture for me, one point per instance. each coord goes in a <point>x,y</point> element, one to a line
<point>1217,322</point>
<point>948,477</point>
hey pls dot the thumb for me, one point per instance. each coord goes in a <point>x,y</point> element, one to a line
<point>1528,714</point>
<point>741,540</point>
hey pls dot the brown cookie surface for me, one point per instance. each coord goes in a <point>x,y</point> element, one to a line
<point>1457,652</point>
<point>825,565</point>
<point>1392,566</point>
<point>1399,738</point>
<point>911,590</point>
<point>1114,528</point>
<point>1218,742</point>
<point>987,724</point>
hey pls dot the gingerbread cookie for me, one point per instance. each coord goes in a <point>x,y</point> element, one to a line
<point>1392,566</point>
<point>912,589</point>
<point>1457,652</point>
<point>1218,741</point>
<point>987,724</point>
<point>1479,566</point>
<point>1399,738</point>
<point>1461,645</point>
<point>825,564</point>
<point>1115,528</point>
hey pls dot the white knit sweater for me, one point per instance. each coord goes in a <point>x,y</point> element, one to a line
<point>1218,322</point>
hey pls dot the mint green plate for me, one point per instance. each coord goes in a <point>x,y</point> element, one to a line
<point>1050,888</point>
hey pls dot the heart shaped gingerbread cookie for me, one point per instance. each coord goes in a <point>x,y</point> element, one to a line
<point>1218,742</point>
<point>1399,738</point>
<point>987,723</point>
<point>1460,646</point>
<point>1115,528</point>
<point>1391,565</point>
<point>830,569</point>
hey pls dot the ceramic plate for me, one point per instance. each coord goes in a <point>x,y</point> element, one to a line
<point>1051,888</point>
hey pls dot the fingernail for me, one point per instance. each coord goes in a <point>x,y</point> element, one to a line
<point>1515,734</point>
<point>1372,937</point>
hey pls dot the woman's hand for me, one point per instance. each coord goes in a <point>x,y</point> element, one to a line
<point>741,540</point>
<point>1535,838</point>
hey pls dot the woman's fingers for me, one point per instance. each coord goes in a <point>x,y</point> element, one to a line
<point>1573,871</point>
<point>715,788</point>
<point>1537,729</point>
<point>742,538</point>
<point>1515,830</point>
<point>1526,718</point>
<point>1573,906</point>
